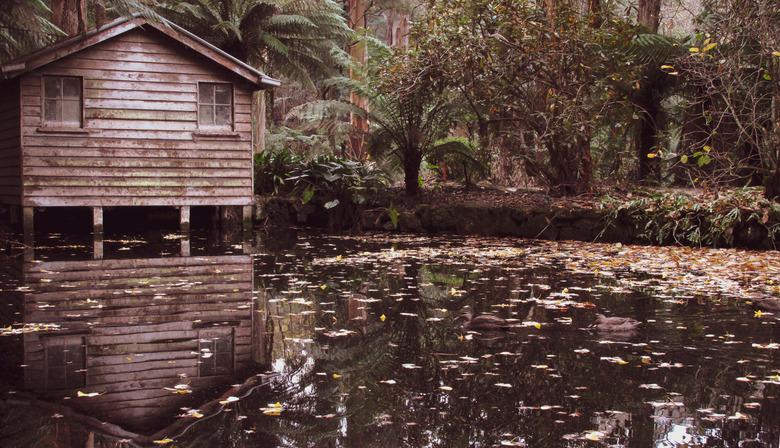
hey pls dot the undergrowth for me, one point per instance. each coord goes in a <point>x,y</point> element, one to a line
<point>705,219</point>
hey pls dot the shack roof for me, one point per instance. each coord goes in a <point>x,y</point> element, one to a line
<point>122,25</point>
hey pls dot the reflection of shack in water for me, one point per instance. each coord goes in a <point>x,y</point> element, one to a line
<point>138,338</point>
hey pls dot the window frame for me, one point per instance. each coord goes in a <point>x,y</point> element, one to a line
<point>213,105</point>
<point>61,100</point>
<point>70,371</point>
<point>216,362</point>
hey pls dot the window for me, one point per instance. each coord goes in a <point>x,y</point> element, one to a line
<point>215,104</point>
<point>65,364</point>
<point>215,352</point>
<point>62,101</point>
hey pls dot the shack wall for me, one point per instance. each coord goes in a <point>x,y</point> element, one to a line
<point>10,152</point>
<point>139,324</point>
<point>140,143</point>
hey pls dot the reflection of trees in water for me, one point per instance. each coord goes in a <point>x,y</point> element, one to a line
<point>387,384</point>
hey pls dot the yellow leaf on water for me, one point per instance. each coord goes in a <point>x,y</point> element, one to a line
<point>83,394</point>
<point>594,435</point>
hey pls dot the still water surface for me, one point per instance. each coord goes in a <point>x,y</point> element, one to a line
<point>319,340</point>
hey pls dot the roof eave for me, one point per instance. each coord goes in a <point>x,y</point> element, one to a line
<point>59,50</point>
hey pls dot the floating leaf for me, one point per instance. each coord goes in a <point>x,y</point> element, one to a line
<point>90,395</point>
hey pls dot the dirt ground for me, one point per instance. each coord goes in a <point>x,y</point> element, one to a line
<point>525,198</point>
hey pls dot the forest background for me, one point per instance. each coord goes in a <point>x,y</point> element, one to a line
<point>565,97</point>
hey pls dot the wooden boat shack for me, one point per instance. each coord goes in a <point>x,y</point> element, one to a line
<point>133,113</point>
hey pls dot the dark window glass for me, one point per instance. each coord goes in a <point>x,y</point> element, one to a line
<point>65,366</point>
<point>215,354</point>
<point>215,104</point>
<point>62,101</point>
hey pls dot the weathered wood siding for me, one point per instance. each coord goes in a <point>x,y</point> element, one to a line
<point>141,144</point>
<point>140,323</point>
<point>10,158</point>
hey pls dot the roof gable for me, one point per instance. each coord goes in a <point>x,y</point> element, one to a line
<point>120,26</point>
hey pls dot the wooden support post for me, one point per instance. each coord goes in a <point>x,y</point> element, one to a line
<point>27,221</point>
<point>185,246</point>
<point>97,244</point>
<point>247,218</point>
<point>28,233</point>
<point>97,221</point>
<point>185,218</point>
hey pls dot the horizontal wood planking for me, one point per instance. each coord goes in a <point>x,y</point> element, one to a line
<point>10,148</point>
<point>140,95</point>
<point>93,146</point>
<point>103,201</point>
<point>145,337</point>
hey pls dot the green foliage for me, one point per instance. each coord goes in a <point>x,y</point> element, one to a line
<point>538,80</point>
<point>300,40</point>
<point>457,157</point>
<point>393,215</point>
<point>335,180</point>
<point>329,180</point>
<point>24,27</point>
<point>408,125</point>
<point>271,168</point>
<point>708,219</point>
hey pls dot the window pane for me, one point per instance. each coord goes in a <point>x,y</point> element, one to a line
<point>222,94</point>
<point>52,87</point>
<point>222,115</point>
<point>71,111</point>
<point>206,93</point>
<point>71,88</point>
<point>206,115</point>
<point>51,110</point>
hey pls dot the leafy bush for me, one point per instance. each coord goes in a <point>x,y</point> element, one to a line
<point>334,181</point>
<point>708,219</point>
<point>271,168</point>
<point>341,186</point>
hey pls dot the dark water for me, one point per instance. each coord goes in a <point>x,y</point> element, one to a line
<point>315,340</point>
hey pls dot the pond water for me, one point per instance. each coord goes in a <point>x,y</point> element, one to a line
<point>306,339</point>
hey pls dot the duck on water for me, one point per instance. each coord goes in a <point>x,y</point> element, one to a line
<point>483,322</point>
<point>616,324</point>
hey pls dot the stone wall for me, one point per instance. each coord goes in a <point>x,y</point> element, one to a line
<point>481,218</point>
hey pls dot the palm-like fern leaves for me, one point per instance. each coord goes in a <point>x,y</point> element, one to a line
<point>297,39</point>
<point>24,28</point>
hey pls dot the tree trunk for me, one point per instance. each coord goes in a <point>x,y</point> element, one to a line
<point>649,14</point>
<point>647,142</point>
<point>357,21</point>
<point>648,99</point>
<point>397,28</point>
<point>412,175</point>
<point>69,15</point>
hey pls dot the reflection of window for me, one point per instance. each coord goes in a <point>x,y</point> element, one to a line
<point>215,352</point>
<point>215,104</point>
<point>65,364</point>
<point>62,101</point>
